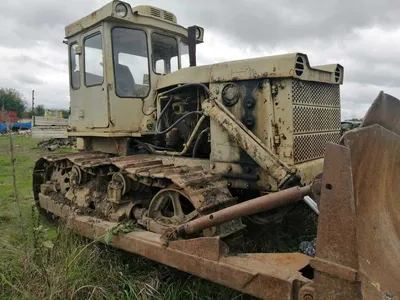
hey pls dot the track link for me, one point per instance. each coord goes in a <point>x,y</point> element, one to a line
<point>207,192</point>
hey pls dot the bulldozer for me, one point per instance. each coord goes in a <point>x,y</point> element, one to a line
<point>189,154</point>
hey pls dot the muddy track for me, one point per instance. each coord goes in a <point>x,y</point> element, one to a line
<point>207,192</point>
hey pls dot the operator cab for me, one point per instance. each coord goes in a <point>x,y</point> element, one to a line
<point>117,55</point>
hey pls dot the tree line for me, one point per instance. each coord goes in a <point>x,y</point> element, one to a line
<point>13,100</point>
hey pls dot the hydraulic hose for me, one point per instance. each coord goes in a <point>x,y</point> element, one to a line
<point>197,143</point>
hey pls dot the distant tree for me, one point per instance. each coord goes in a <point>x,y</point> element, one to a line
<point>27,114</point>
<point>12,100</point>
<point>39,110</point>
<point>65,113</point>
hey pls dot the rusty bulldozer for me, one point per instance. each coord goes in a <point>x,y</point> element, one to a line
<point>185,152</point>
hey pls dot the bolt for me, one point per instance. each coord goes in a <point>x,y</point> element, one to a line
<point>229,184</point>
<point>149,125</point>
<point>250,103</point>
<point>247,169</point>
<point>212,166</point>
<point>388,296</point>
<point>308,297</point>
<point>229,168</point>
<point>249,122</point>
<point>247,185</point>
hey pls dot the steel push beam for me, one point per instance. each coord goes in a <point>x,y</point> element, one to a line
<point>271,276</point>
<point>257,205</point>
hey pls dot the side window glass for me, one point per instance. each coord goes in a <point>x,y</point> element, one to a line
<point>131,64</point>
<point>74,67</point>
<point>174,63</point>
<point>160,66</point>
<point>94,60</point>
<point>185,62</point>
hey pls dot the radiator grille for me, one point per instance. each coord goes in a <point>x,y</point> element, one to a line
<point>312,146</point>
<point>315,93</point>
<point>314,119</point>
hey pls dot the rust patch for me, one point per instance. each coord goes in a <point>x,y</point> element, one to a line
<point>266,276</point>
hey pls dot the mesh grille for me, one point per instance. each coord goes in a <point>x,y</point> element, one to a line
<point>315,93</point>
<point>312,146</point>
<point>155,12</point>
<point>168,16</point>
<point>314,119</point>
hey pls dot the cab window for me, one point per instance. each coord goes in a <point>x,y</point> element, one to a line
<point>74,67</point>
<point>165,53</point>
<point>131,64</point>
<point>94,60</point>
<point>185,62</point>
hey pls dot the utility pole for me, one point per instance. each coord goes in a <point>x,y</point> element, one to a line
<point>33,108</point>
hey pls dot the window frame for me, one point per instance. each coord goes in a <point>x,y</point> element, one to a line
<point>84,57</point>
<point>177,47</point>
<point>70,67</point>
<point>113,63</point>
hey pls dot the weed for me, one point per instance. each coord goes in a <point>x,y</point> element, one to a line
<point>62,265</point>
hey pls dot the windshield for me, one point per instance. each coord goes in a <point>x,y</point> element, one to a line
<point>131,65</point>
<point>165,53</point>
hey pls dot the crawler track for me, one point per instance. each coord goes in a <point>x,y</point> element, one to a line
<point>146,174</point>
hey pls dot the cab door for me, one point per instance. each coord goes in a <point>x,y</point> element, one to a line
<point>94,91</point>
<point>129,76</point>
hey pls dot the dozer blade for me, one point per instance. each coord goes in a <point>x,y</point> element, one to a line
<point>358,244</point>
<point>376,176</point>
<point>385,112</point>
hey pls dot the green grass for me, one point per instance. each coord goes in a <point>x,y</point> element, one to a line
<point>77,268</point>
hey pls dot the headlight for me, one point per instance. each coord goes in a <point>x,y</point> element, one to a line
<point>121,10</point>
<point>198,33</point>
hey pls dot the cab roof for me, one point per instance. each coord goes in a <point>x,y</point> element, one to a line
<point>144,15</point>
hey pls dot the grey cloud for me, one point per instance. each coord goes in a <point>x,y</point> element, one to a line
<point>256,22</point>
<point>26,59</point>
<point>43,62</point>
<point>383,75</point>
<point>329,31</point>
<point>265,23</point>
<point>53,95</point>
<point>29,79</point>
<point>28,22</point>
<point>332,28</point>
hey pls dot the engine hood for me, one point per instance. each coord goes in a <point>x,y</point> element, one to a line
<point>200,74</point>
<point>263,67</point>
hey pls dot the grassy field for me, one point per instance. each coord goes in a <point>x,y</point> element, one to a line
<point>38,261</point>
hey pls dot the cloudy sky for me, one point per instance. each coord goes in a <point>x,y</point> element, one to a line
<point>363,36</point>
